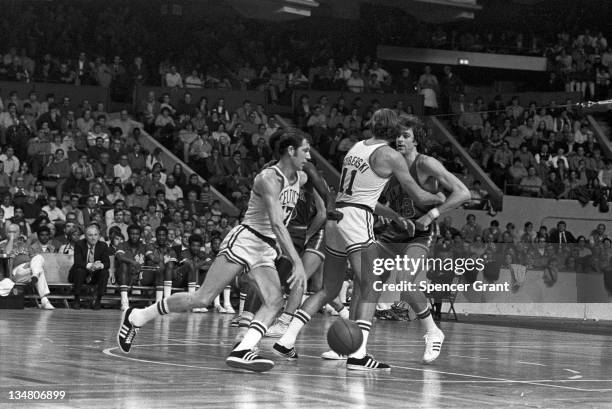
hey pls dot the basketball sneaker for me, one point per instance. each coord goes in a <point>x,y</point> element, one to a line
<point>333,356</point>
<point>127,331</point>
<point>367,363</point>
<point>249,360</point>
<point>220,309</point>
<point>433,345</point>
<point>203,309</point>
<point>277,330</point>
<point>229,309</point>
<point>287,353</point>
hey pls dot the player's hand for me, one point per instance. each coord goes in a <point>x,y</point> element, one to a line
<point>334,215</point>
<point>298,276</point>
<point>406,224</point>
<point>424,221</point>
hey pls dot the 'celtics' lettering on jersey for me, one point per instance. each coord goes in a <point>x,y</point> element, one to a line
<point>359,184</point>
<point>256,216</point>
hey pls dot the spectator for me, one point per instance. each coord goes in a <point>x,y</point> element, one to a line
<point>90,258</point>
<point>26,264</point>
<point>531,185</point>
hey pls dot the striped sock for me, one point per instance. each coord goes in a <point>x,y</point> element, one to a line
<point>251,338</point>
<point>243,297</point>
<point>191,287</point>
<point>300,318</point>
<point>141,316</point>
<point>427,319</point>
<point>365,327</point>
<point>159,293</point>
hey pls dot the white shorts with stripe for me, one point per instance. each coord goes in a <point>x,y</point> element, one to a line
<point>243,247</point>
<point>353,233</point>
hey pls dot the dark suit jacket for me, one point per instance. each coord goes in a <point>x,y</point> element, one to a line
<point>100,254</point>
<point>555,237</point>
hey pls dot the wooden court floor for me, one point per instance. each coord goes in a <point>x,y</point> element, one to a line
<point>178,361</point>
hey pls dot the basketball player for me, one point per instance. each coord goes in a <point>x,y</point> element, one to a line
<point>251,247</point>
<point>130,257</point>
<point>366,170</point>
<point>430,175</point>
<point>306,229</point>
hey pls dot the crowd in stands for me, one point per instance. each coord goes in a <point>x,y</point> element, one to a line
<point>522,249</point>
<point>542,151</point>
<point>62,170</point>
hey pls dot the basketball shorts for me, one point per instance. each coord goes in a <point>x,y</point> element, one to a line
<point>245,247</point>
<point>353,233</point>
<point>314,243</point>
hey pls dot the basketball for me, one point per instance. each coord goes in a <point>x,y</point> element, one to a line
<point>344,337</point>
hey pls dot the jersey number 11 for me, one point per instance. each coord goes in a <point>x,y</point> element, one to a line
<point>349,188</point>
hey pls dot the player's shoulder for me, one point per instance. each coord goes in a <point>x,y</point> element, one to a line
<point>267,179</point>
<point>303,177</point>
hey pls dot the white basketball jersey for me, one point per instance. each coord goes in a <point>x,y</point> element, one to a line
<point>256,216</point>
<point>359,184</point>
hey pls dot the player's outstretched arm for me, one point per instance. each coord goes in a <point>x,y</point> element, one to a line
<point>269,188</point>
<point>459,193</point>
<point>388,161</point>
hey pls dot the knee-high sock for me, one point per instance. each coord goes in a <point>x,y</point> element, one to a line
<point>253,336</point>
<point>218,301</point>
<point>141,316</point>
<point>159,293</point>
<point>300,318</point>
<point>124,294</point>
<point>427,319</point>
<point>365,327</point>
<point>191,287</point>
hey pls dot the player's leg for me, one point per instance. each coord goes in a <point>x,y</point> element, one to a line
<point>220,274</point>
<point>266,283</point>
<point>333,275</point>
<point>311,261</point>
<point>363,305</point>
<point>168,272</point>
<point>124,277</point>
<point>251,306</point>
<point>419,304</point>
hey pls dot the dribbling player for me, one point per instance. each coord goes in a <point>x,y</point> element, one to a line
<point>366,170</point>
<point>430,175</point>
<point>251,247</point>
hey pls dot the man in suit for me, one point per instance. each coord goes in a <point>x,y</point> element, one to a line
<point>91,258</point>
<point>561,235</point>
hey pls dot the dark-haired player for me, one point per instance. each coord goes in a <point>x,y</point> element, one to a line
<point>160,257</point>
<point>366,170</point>
<point>430,175</point>
<point>250,247</point>
<point>129,259</point>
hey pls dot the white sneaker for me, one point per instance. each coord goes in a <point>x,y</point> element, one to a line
<point>277,330</point>
<point>433,345</point>
<point>220,309</point>
<point>46,305</point>
<point>333,356</point>
<point>203,309</point>
<point>229,309</point>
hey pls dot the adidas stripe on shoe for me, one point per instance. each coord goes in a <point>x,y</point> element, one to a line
<point>287,353</point>
<point>127,331</point>
<point>249,360</point>
<point>367,363</point>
